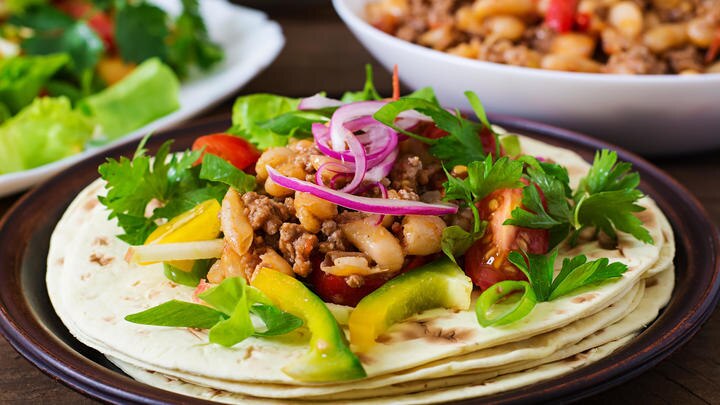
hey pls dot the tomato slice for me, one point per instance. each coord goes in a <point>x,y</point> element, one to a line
<point>486,261</point>
<point>239,152</point>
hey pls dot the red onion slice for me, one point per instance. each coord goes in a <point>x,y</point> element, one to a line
<point>363,204</point>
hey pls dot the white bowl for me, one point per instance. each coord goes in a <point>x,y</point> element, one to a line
<point>648,114</point>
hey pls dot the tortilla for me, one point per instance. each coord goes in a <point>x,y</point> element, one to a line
<point>92,289</point>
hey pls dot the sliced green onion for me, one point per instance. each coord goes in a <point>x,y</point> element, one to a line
<point>189,278</point>
<point>500,305</point>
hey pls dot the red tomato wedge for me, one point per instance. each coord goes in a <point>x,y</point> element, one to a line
<point>239,152</point>
<point>335,289</point>
<point>486,261</point>
<point>100,22</point>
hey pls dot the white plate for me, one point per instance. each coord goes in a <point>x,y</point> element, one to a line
<point>250,41</point>
<point>648,114</point>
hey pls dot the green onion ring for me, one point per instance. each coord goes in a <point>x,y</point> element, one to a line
<point>496,293</point>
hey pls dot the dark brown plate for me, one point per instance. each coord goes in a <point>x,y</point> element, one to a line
<point>29,323</point>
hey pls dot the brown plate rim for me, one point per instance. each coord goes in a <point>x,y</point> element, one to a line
<point>22,233</point>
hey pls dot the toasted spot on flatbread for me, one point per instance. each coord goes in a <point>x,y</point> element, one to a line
<point>651,283</point>
<point>248,352</point>
<point>365,359</point>
<point>423,329</point>
<point>560,311</point>
<point>648,218</point>
<point>583,298</point>
<point>60,261</point>
<point>85,276</point>
<point>101,241</point>
<point>101,259</point>
<point>90,204</point>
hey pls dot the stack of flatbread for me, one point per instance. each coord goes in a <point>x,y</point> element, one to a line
<point>436,356</point>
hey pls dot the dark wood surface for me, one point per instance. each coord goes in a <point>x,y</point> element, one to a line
<point>321,54</point>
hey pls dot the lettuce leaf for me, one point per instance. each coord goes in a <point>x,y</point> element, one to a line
<point>45,131</point>
<point>151,91</point>
<point>250,112</point>
<point>22,78</point>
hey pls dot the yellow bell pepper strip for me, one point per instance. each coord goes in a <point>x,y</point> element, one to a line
<point>329,357</point>
<point>439,284</point>
<point>199,223</point>
<point>202,222</point>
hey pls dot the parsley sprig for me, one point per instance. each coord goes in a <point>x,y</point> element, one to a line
<point>575,273</point>
<point>461,146</point>
<point>605,199</point>
<point>483,177</point>
<point>168,179</point>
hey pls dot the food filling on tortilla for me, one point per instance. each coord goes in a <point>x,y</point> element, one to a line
<point>334,230</point>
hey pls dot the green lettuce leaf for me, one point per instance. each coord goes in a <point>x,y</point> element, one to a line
<point>151,91</point>
<point>22,78</point>
<point>251,112</point>
<point>45,131</point>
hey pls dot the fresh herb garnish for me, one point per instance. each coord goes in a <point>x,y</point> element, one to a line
<point>483,177</point>
<point>228,319</point>
<point>574,273</point>
<point>169,180</point>
<point>461,146</point>
<point>606,199</point>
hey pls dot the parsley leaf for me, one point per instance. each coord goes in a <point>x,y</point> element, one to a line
<point>574,273</point>
<point>461,146</point>
<point>169,179</point>
<point>607,198</point>
<point>483,178</point>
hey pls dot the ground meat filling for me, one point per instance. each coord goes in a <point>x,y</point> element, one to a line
<point>297,245</point>
<point>265,213</point>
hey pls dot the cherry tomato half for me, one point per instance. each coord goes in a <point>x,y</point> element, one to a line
<point>486,261</point>
<point>239,152</point>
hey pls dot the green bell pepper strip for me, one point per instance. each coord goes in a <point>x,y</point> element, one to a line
<point>329,357</point>
<point>439,284</point>
<point>494,295</point>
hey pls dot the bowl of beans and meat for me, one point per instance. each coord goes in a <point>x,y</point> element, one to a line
<point>644,74</point>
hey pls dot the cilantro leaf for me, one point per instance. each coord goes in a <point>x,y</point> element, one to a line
<point>575,272</point>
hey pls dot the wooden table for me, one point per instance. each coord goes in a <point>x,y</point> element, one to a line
<point>321,54</point>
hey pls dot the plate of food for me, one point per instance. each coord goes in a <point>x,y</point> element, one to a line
<point>70,70</point>
<point>612,70</point>
<point>356,249</point>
